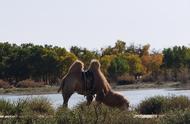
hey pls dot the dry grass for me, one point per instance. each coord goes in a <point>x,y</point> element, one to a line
<point>29,84</point>
<point>4,84</point>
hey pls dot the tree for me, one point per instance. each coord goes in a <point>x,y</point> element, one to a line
<point>119,66</point>
<point>105,63</point>
<point>135,64</point>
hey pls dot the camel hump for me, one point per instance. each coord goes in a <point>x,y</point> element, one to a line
<point>94,65</point>
<point>77,66</point>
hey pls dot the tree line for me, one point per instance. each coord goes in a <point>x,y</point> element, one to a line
<point>119,63</point>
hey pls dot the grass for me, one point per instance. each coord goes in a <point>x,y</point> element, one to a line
<point>29,91</point>
<point>177,117</point>
<point>30,111</point>
<point>98,114</point>
<point>37,106</point>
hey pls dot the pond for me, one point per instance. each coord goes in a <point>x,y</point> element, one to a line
<point>134,96</point>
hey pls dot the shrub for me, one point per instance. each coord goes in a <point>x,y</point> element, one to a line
<point>176,117</point>
<point>147,78</point>
<point>4,84</point>
<point>126,79</point>
<point>161,104</point>
<point>152,105</point>
<point>29,84</point>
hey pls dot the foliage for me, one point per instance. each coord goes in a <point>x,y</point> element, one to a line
<point>50,63</point>
<point>119,65</point>
<point>135,64</point>
<point>83,54</point>
<point>161,104</point>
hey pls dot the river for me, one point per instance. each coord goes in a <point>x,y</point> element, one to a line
<point>134,96</point>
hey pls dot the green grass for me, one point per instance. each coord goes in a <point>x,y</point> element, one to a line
<point>176,117</point>
<point>36,106</point>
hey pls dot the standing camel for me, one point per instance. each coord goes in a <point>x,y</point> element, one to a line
<point>76,80</point>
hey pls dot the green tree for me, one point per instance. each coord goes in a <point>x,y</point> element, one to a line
<point>119,66</point>
<point>135,64</point>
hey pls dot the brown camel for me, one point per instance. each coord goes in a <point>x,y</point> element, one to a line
<point>104,93</point>
<point>113,99</point>
<point>76,81</point>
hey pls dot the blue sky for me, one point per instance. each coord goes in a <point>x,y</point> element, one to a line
<point>95,23</point>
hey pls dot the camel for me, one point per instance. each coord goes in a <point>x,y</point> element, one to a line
<point>104,92</point>
<point>89,83</point>
<point>76,81</point>
<point>113,99</point>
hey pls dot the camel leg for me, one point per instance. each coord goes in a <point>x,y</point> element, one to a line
<point>100,96</point>
<point>66,97</point>
<point>89,99</point>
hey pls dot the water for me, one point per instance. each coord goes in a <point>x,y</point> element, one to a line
<point>134,96</point>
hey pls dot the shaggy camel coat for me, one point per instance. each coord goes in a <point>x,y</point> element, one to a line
<point>73,82</point>
<point>104,93</point>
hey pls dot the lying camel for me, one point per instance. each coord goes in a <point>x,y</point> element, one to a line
<point>104,93</point>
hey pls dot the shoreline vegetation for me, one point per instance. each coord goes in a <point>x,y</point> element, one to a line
<point>154,110</point>
<point>127,65</point>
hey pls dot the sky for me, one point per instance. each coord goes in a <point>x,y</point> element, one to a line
<point>95,23</point>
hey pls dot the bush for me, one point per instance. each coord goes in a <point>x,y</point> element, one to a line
<point>176,117</point>
<point>161,104</point>
<point>4,84</point>
<point>152,105</point>
<point>126,79</point>
<point>29,84</point>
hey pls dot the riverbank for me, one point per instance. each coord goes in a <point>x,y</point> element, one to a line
<point>29,91</point>
<point>150,85</point>
<point>53,89</point>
